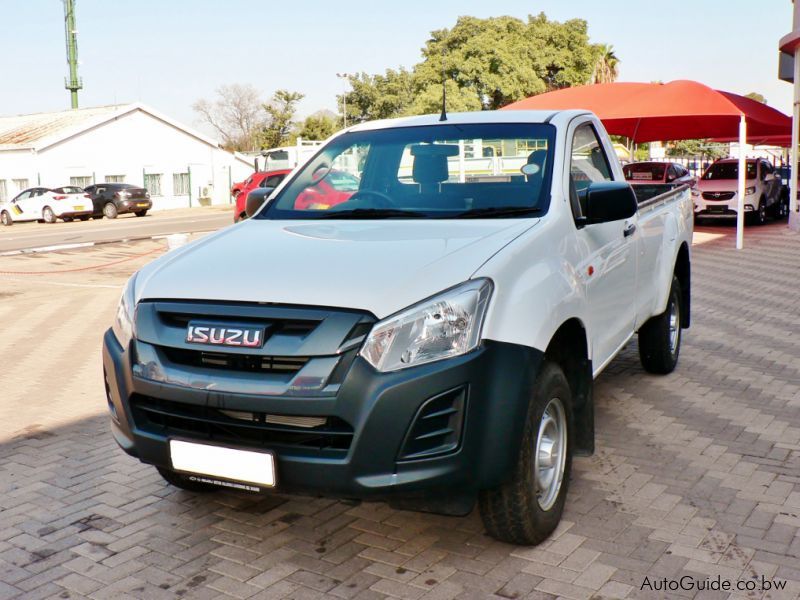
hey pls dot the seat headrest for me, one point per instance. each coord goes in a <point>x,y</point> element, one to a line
<point>430,169</point>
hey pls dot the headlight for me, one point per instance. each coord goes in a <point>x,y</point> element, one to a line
<point>446,325</point>
<point>123,320</point>
<point>750,190</point>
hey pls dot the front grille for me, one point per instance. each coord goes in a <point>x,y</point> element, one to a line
<point>320,435</point>
<point>437,427</point>
<point>718,195</point>
<point>285,365</point>
<point>285,327</point>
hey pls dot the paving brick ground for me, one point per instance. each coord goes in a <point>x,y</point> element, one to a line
<point>696,473</point>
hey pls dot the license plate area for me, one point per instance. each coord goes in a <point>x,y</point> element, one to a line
<point>247,466</point>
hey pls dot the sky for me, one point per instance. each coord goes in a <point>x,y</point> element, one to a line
<point>170,53</point>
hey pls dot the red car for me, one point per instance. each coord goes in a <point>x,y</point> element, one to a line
<point>256,180</point>
<point>335,188</point>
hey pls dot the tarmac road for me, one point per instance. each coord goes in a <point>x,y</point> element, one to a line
<point>31,236</point>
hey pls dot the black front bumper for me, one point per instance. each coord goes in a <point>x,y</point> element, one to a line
<point>380,460</point>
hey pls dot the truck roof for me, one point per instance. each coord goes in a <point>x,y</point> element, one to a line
<point>476,117</point>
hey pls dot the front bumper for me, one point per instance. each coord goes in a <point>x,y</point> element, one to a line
<point>725,209</point>
<point>494,384</point>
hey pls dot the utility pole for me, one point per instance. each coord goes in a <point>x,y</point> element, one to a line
<point>344,77</point>
<point>73,83</point>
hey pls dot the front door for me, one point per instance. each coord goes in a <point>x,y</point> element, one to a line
<point>609,271</point>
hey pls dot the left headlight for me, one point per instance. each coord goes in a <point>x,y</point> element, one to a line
<point>749,191</point>
<point>123,320</point>
<point>446,325</point>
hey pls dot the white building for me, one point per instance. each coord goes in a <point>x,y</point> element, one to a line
<point>130,143</point>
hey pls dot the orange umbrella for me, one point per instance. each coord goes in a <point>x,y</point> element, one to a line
<point>678,110</point>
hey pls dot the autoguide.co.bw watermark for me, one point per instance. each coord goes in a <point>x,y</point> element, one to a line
<point>717,584</point>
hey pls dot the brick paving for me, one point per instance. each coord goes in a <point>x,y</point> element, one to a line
<point>696,473</point>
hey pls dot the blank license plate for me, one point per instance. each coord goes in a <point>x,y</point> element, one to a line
<point>227,463</point>
<point>78,207</point>
<point>140,204</point>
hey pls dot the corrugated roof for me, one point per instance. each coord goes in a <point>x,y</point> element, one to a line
<point>25,131</point>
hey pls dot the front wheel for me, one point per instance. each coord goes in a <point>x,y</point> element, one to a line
<point>48,215</point>
<point>527,509</point>
<point>660,336</point>
<point>5,219</point>
<point>184,482</point>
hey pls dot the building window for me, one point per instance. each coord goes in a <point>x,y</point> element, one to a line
<point>152,183</point>
<point>20,184</point>
<point>3,191</point>
<point>115,178</point>
<point>81,182</point>
<point>180,184</point>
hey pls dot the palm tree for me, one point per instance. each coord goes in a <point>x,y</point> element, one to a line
<point>606,67</point>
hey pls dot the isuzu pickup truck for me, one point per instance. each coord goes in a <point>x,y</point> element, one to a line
<point>431,341</point>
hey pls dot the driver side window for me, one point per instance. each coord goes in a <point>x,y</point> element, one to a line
<point>588,164</point>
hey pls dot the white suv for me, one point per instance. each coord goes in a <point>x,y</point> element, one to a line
<point>715,194</point>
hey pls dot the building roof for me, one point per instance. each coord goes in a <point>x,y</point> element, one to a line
<point>41,130</point>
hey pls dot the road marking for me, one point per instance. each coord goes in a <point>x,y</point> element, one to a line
<point>65,284</point>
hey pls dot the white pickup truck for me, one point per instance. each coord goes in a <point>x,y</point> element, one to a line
<point>430,339</point>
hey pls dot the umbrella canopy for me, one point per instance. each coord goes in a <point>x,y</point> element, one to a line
<point>678,110</point>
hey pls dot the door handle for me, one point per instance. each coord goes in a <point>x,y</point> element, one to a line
<point>628,231</point>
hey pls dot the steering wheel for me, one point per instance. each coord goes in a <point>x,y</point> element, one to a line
<point>385,201</point>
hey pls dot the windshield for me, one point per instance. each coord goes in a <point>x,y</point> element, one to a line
<point>644,171</point>
<point>438,171</point>
<point>68,190</point>
<point>729,170</point>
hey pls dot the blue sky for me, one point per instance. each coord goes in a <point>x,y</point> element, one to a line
<point>169,53</point>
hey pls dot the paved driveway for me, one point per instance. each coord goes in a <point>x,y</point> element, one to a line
<point>696,474</point>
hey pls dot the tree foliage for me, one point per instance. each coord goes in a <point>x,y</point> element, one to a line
<point>280,111</point>
<point>606,67</point>
<point>757,97</point>
<point>487,63</point>
<point>703,148</point>
<point>318,127</point>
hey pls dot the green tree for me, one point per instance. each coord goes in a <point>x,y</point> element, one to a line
<point>487,64</point>
<point>606,66</point>
<point>280,111</point>
<point>702,148</point>
<point>318,127</point>
<point>757,97</point>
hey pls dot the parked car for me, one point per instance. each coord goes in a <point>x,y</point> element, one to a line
<point>716,193</point>
<point>652,172</point>
<point>112,199</point>
<point>265,182</point>
<point>43,204</point>
<point>255,180</point>
<point>431,341</point>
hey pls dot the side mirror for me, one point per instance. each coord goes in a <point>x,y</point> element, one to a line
<point>608,201</point>
<point>254,201</point>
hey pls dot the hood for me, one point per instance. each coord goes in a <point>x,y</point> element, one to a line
<point>378,266</point>
<point>722,185</point>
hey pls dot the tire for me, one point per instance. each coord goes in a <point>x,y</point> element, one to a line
<point>179,480</point>
<point>67,219</point>
<point>110,211</point>
<point>782,208</point>
<point>140,213</point>
<point>660,337</point>
<point>761,212</point>
<point>86,218</point>
<point>517,512</point>
<point>48,215</point>
<point>5,219</point>
<point>97,217</point>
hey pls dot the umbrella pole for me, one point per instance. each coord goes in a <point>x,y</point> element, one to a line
<point>741,186</point>
<point>794,220</point>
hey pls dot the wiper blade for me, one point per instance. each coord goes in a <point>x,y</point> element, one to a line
<point>498,211</point>
<point>371,213</point>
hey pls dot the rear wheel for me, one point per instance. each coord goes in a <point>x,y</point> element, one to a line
<point>140,213</point>
<point>86,218</point>
<point>110,211</point>
<point>48,215</point>
<point>660,336</point>
<point>184,482</point>
<point>527,509</point>
<point>5,219</point>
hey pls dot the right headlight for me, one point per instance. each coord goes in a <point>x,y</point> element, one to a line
<point>123,320</point>
<point>446,325</point>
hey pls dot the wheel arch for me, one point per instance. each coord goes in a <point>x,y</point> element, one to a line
<point>569,349</point>
<point>683,271</point>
